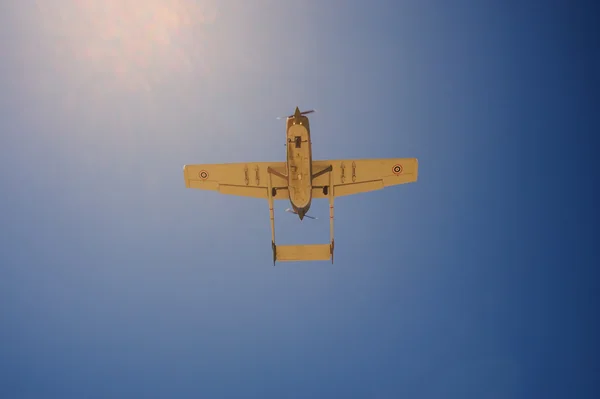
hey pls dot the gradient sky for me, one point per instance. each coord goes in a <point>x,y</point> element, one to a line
<point>479,281</point>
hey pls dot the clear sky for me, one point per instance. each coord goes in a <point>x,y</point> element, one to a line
<point>478,281</point>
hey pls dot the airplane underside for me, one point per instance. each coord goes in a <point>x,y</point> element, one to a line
<point>299,179</point>
<point>299,167</point>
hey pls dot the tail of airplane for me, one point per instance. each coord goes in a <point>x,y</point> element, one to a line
<point>295,213</point>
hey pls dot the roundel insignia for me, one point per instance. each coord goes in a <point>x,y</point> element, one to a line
<point>203,174</point>
<point>397,169</point>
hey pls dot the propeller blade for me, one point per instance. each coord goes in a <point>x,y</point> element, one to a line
<point>310,111</point>
<point>295,213</point>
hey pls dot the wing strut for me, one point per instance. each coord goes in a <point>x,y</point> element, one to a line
<point>271,214</point>
<point>330,189</point>
<point>287,253</point>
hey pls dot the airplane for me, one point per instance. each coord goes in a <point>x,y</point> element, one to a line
<point>300,179</point>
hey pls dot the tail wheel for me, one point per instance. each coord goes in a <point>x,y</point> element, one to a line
<point>273,192</point>
<point>325,190</point>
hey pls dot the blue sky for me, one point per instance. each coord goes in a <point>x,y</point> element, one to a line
<point>477,281</point>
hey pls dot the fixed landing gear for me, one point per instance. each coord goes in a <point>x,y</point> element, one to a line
<point>325,190</point>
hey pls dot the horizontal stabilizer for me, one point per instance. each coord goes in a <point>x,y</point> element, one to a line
<point>290,253</point>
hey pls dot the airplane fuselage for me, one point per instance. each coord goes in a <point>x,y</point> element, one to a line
<point>299,163</point>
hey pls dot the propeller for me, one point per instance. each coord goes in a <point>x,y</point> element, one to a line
<point>310,111</point>
<point>295,213</point>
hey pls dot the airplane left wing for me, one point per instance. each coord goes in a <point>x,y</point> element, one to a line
<point>246,179</point>
<point>354,176</point>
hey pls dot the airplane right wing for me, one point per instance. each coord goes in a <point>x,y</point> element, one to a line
<point>246,179</point>
<point>354,176</point>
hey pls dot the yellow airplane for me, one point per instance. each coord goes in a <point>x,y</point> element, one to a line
<point>299,180</point>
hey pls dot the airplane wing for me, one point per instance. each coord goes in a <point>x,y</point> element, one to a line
<point>353,176</point>
<point>247,179</point>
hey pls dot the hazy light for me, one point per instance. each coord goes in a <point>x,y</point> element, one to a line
<point>133,44</point>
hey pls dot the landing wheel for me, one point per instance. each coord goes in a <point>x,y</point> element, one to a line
<point>273,192</point>
<point>325,190</point>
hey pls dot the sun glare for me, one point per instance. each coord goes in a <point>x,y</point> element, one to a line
<point>99,68</point>
<point>133,43</point>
